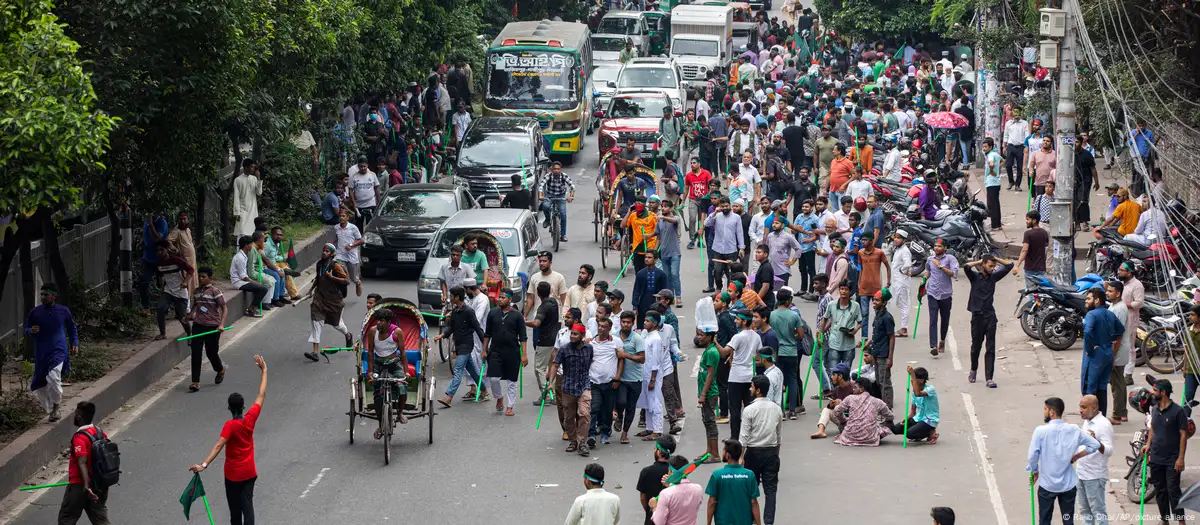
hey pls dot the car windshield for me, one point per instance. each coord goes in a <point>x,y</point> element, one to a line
<point>504,150</point>
<point>602,76</point>
<point>619,26</point>
<point>608,43</point>
<point>648,77</point>
<point>419,204</point>
<point>531,79</point>
<point>509,242</point>
<point>684,46</point>
<point>635,107</point>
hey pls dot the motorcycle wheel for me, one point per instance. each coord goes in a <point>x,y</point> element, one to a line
<point>1057,330</point>
<point>1133,485</point>
<point>1030,318</point>
<point>1165,350</point>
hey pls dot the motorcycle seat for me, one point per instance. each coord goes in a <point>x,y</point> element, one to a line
<point>1065,288</point>
<point>1143,254</point>
<point>1161,302</point>
<point>936,223</point>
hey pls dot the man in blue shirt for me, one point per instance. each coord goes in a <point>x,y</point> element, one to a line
<point>1052,451</point>
<point>1142,142</point>
<point>1101,332</point>
<point>331,204</point>
<point>54,334</point>
<point>152,232</point>
<point>805,227</point>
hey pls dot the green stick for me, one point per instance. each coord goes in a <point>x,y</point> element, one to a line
<point>917,319</point>
<point>521,384</point>
<point>700,234</point>
<point>47,486</point>
<point>808,375</point>
<point>479,387</point>
<point>862,350</point>
<point>545,393</point>
<point>193,336</point>
<point>435,316</point>
<point>907,403</point>
<point>630,259</point>
<point>1142,496</point>
<point>1029,199</point>
<point>1032,505</point>
<point>207,509</point>
<point>337,349</point>
<point>258,260</point>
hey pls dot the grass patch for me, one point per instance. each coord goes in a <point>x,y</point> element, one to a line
<point>219,257</point>
<point>100,316</point>
<point>19,412</point>
<point>91,364</point>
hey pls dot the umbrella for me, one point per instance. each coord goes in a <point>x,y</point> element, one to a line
<point>946,120</point>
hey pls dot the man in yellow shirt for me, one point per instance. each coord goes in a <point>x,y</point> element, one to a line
<point>1127,212</point>
<point>643,226</point>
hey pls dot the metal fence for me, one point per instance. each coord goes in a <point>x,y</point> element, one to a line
<point>84,249</point>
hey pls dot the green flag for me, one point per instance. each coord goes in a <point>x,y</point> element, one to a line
<point>193,492</point>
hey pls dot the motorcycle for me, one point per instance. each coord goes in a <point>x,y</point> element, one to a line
<point>1062,324</point>
<point>1142,401</point>
<point>963,232</point>
<point>1034,302</point>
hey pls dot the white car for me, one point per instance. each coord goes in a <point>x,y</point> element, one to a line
<point>656,74</point>
<point>602,90</point>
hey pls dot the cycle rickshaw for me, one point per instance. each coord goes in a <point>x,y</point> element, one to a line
<point>602,210</point>
<point>419,376</point>
<point>493,280</point>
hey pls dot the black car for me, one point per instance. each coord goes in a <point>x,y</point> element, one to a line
<point>399,235</point>
<point>496,148</point>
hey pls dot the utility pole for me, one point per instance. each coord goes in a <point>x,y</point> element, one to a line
<point>1062,216</point>
<point>125,261</point>
<point>987,70</point>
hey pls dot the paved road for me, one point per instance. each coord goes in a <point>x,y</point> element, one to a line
<point>484,468</point>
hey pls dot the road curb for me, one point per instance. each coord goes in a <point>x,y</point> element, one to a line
<point>32,450</point>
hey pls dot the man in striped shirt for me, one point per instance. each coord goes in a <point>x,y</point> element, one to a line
<point>207,315</point>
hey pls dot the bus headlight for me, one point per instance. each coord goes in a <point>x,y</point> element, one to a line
<point>566,126</point>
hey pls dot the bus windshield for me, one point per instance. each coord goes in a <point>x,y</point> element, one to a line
<point>531,79</point>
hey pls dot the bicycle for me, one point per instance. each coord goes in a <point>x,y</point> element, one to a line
<point>387,420</point>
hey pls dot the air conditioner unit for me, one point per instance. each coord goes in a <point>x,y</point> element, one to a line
<point>1054,22</point>
<point>1048,54</point>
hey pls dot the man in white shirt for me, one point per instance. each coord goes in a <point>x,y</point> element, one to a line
<point>749,177</point>
<point>892,164</point>
<point>480,304</point>
<point>757,227</point>
<point>1015,133</point>
<point>766,359</point>
<point>742,347</point>
<point>364,192</point>
<point>1151,222</point>
<point>902,262</point>
<point>653,370</point>
<point>597,506</point>
<point>605,375</point>
<point>460,121</point>
<point>241,279</point>
<point>1092,469</point>
<point>349,238</point>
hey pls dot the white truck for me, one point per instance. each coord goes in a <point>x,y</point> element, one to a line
<point>701,40</point>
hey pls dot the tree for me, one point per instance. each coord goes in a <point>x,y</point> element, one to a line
<point>869,19</point>
<point>50,130</point>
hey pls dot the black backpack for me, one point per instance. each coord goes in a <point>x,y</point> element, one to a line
<point>105,468</point>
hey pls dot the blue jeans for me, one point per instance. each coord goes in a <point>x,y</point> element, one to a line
<point>965,147</point>
<point>864,304</point>
<point>461,362</point>
<point>817,363</point>
<point>670,265</point>
<point>835,200</point>
<point>835,357</point>
<point>280,289</point>
<point>1090,498</point>
<point>560,206</point>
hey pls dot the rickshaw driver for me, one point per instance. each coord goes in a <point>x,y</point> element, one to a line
<point>625,195</point>
<point>387,354</point>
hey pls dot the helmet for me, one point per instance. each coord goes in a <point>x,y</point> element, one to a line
<point>860,204</point>
<point>1141,400</point>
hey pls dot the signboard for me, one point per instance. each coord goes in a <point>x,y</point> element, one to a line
<point>532,64</point>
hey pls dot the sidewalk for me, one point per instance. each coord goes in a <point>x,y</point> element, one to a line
<point>29,452</point>
<point>1012,215</point>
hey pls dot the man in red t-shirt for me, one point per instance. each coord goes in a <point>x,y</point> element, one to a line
<point>696,182</point>
<point>82,496</point>
<point>238,436</point>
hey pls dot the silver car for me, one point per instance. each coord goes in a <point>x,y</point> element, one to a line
<point>630,24</point>
<point>602,91</point>
<point>654,74</point>
<point>518,234</point>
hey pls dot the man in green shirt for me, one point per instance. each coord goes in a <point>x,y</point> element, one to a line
<point>786,323</point>
<point>842,320</point>
<point>629,53</point>
<point>706,385</point>
<point>733,491</point>
<point>474,257</point>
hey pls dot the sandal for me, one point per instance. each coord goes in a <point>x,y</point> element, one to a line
<point>642,434</point>
<point>220,376</point>
<point>710,460</point>
<point>971,377</point>
<point>194,387</point>
<point>402,420</point>
<point>499,404</point>
<point>651,437</point>
<point>444,402</point>
<point>509,412</point>
<point>624,439</point>
<point>991,384</point>
<point>933,438</point>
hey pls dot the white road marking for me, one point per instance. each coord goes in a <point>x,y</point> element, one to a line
<point>314,482</point>
<point>952,347</point>
<point>123,419</point>
<point>988,475</point>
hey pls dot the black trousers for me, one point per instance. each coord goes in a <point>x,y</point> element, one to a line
<point>739,397</point>
<point>983,326</point>
<point>764,463</point>
<point>1137,185</point>
<point>723,387</point>
<point>627,398</point>
<point>808,270</point>
<point>241,501</point>
<point>1167,491</point>
<point>916,430</point>
<point>604,400</point>
<point>721,271</point>
<point>258,291</point>
<point>76,503</point>
<point>207,344</point>
<point>166,302</point>
<point>993,205</point>
<point>1066,506</point>
<point>1014,158</point>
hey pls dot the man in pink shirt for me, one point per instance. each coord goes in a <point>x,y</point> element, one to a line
<point>1042,163</point>
<point>678,504</point>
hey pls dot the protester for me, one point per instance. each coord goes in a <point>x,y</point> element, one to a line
<point>477,259</point>
<point>939,291</point>
<point>840,322</point>
<point>327,291</point>
<point>650,480</point>
<point>349,238</point>
<point>646,283</point>
<point>733,490</point>
<point>706,386</point>
<point>504,351</point>
<point>1034,244</point>
<point>924,414</point>
<point>882,344</point>
<point>605,378</point>
<point>274,252</point>
<point>86,494</point>
<point>789,328</point>
<point>558,283</point>
<point>582,294</point>
<point>872,262</point>
<point>741,349</point>
<point>1166,446</point>
<point>207,315</point>
<point>1134,297</point>
<point>1116,380</point>
<point>55,338</point>
<point>240,278</point>
<point>464,328</point>
<point>237,438</point>
<point>678,504</point>
<point>546,324</point>
<point>728,241</point>
<point>657,359</point>
<point>632,356</point>
<point>983,275</point>
<point>597,506</point>
<point>180,241</point>
<point>865,421</point>
<point>454,272</point>
<point>1092,469</point>
<point>1052,451</point>
<point>1101,333</point>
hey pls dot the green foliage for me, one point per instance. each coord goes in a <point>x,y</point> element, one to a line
<point>19,412</point>
<point>91,364</point>
<point>869,19</point>
<point>49,126</point>
<point>288,180</point>
<point>100,316</point>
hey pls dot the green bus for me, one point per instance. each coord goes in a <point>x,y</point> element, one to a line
<point>541,70</point>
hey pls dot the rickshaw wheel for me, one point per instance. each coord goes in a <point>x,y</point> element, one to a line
<point>352,414</point>
<point>386,421</point>
<point>596,212</point>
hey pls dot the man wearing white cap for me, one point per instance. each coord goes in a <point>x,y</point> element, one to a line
<point>902,268</point>
<point>965,63</point>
